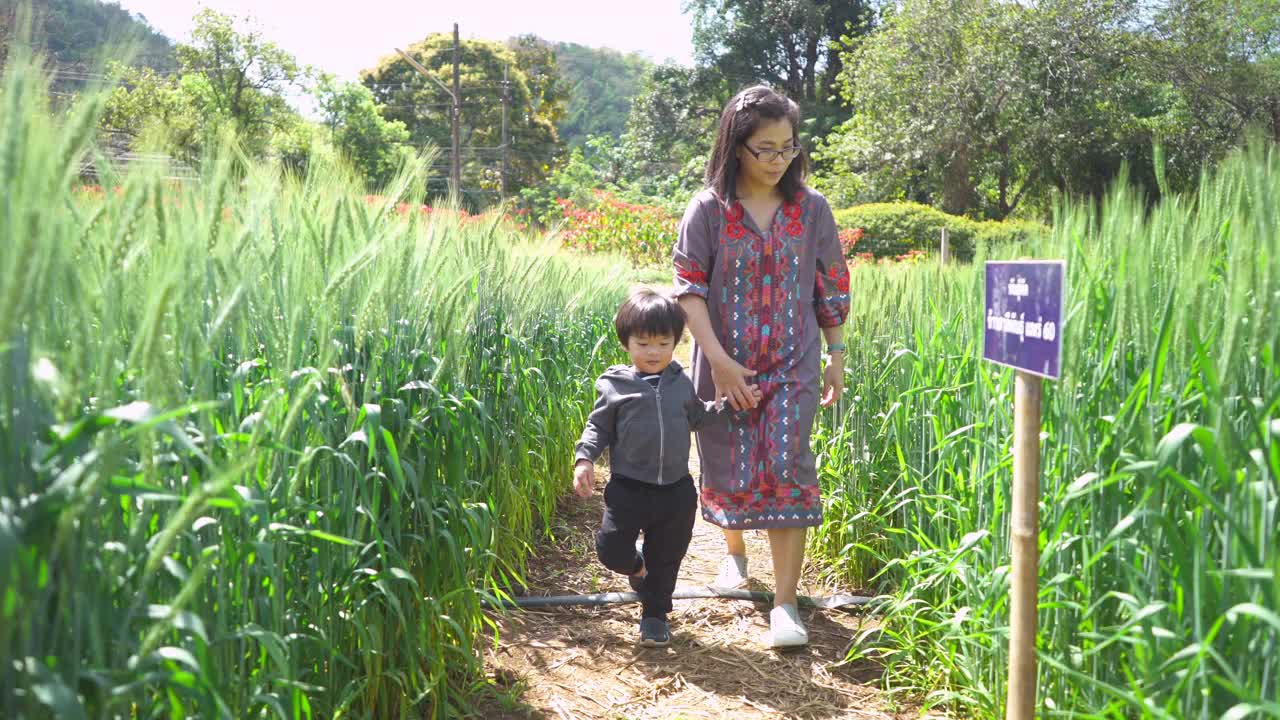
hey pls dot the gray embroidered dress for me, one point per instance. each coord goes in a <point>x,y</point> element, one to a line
<point>769,292</point>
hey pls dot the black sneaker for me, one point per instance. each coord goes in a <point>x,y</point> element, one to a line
<point>654,632</point>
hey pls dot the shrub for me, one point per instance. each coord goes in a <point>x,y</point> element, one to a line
<point>895,229</point>
<point>1009,232</point>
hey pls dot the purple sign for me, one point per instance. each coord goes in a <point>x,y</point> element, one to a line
<point>1024,315</point>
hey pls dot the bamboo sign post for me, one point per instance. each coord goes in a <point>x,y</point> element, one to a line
<point>1024,331</point>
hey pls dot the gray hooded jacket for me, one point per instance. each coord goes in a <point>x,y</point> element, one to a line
<point>645,429</point>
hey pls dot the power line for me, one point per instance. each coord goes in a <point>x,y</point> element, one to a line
<point>421,85</point>
<point>487,161</point>
<point>81,74</point>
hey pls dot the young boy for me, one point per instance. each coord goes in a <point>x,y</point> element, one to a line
<point>643,415</point>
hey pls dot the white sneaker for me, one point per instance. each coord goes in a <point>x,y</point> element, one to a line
<point>785,628</point>
<point>733,572</point>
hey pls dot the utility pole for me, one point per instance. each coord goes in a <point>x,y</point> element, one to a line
<point>456,169</point>
<point>506,105</point>
<point>455,111</point>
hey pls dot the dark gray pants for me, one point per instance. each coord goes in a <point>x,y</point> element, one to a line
<point>665,513</point>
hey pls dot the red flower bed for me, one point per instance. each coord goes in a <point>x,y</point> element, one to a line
<point>643,234</point>
<point>849,240</point>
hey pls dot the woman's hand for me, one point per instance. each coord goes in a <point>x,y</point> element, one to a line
<point>584,478</point>
<point>730,379</point>
<point>833,379</point>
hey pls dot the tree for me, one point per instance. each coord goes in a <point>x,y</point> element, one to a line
<point>537,59</point>
<point>601,84</point>
<point>375,146</point>
<point>239,77</point>
<point>153,106</point>
<point>75,33</point>
<point>227,79</point>
<point>785,43</point>
<point>671,128</point>
<point>1221,62</point>
<point>984,103</point>
<point>423,106</point>
<point>1227,51</point>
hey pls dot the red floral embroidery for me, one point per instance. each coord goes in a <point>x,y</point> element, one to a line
<point>791,210</point>
<point>735,230</point>
<point>794,228</point>
<point>734,213</point>
<point>692,275</point>
<point>842,281</point>
<point>830,293</point>
<point>772,496</point>
<point>799,196</point>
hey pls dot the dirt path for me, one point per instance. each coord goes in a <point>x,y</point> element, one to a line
<point>581,662</point>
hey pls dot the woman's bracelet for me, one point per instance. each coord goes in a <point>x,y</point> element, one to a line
<point>836,347</point>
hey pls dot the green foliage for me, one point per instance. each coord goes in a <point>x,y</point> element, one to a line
<point>602,83</point>
<point>792,45</point>
<point>1005,236</point>
<point>228,80</point>
<point>238,77</point>
<point>374,145</point>
<point>893,229</point>
<point>262,438</point>
<point>540,63</point>
<point>1160,470</point>
<point>670,130</point>
<point>980,104</point>
<point>74,34</point>
<point>295,141</point>
<point>156,110</point>
<point>1221,61</point>
<point>985,107</point>
<point>574,179</point>
<point>423,106</point>
<point>789,44</point>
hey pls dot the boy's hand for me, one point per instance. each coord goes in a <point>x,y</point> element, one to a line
<point>584,478</point>
<point>753,392</point>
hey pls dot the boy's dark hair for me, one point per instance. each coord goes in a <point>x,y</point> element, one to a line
<point>738,121</point>
<point>649,313</point>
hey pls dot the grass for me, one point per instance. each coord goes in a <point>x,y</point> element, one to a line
<point>261,439</point>
<point>1160,561</point>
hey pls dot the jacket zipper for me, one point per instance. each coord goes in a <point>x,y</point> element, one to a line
<point>662,433</point>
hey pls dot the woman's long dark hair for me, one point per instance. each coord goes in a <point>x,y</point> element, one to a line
<point>738,121</point>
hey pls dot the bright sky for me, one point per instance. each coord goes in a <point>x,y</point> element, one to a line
<point>346,37</point>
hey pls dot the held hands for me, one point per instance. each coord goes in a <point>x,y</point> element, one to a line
<point>584,478</point>
<point>730,379</point>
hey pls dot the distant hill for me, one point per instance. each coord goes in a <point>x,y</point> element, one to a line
<point>73,33</point>
<point>602,82</point>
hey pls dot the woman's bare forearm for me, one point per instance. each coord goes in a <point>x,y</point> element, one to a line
<point>695,308</point>
<point>832,334</point>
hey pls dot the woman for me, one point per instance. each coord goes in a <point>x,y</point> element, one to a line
<point>761,275</point>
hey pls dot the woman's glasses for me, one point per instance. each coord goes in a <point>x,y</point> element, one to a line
<point>768,156</point>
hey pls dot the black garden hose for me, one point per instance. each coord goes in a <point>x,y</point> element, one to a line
<point>840,600</point>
